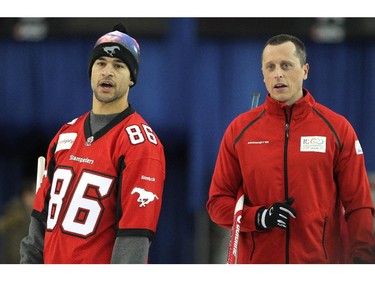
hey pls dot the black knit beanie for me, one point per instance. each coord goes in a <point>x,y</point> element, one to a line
<point>120,45</point>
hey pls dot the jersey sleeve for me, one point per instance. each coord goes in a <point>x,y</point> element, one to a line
<point>40,208</point>
<point>142,180</point>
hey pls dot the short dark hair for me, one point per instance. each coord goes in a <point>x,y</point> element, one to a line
<point>282,38</point>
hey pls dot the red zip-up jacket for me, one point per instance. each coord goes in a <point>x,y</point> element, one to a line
<point>305,151</point>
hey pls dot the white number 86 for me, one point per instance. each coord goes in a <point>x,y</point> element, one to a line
<point>136,135</point>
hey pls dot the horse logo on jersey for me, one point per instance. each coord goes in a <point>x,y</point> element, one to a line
<point>145,196</point>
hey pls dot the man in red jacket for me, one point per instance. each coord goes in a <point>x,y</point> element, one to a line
<point>301,168</point>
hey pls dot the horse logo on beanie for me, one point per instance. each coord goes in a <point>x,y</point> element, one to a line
<point>111,50</point>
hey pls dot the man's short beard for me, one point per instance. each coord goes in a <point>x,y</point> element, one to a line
<point>108,98</point>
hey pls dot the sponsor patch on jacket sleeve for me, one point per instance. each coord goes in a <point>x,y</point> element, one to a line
<point>65,141</point>
<point>358,147</point>
<point>313,144</point>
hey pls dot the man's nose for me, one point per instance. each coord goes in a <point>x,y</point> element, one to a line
<point>278,72</point>
<point>107,70</point>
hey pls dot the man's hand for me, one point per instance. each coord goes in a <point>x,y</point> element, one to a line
<point>276,215</point>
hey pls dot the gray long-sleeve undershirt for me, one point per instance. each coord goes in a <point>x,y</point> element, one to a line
<point>129,250</point>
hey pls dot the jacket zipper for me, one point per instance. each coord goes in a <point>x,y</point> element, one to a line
<point>323,237</point>
<point>287,127</point>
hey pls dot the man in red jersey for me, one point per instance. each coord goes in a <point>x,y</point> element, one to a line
<point>300,165</point>
<point>101,196</point>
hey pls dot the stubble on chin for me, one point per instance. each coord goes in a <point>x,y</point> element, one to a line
<point>107,98</point>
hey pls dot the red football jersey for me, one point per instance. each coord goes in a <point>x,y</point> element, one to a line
<point>98,187</point>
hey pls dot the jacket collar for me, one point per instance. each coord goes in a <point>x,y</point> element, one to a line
<point>300,109</point>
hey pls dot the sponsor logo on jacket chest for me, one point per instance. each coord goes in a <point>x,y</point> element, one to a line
<point>313,144</point>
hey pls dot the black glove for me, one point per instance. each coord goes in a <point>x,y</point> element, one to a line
<point>276,215</point>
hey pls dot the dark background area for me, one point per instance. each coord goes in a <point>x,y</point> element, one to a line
<point>355,28</point>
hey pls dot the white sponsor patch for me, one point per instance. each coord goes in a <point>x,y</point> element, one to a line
<point>313,144</point>
<point>358,147</point>
<point>65,141</point>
